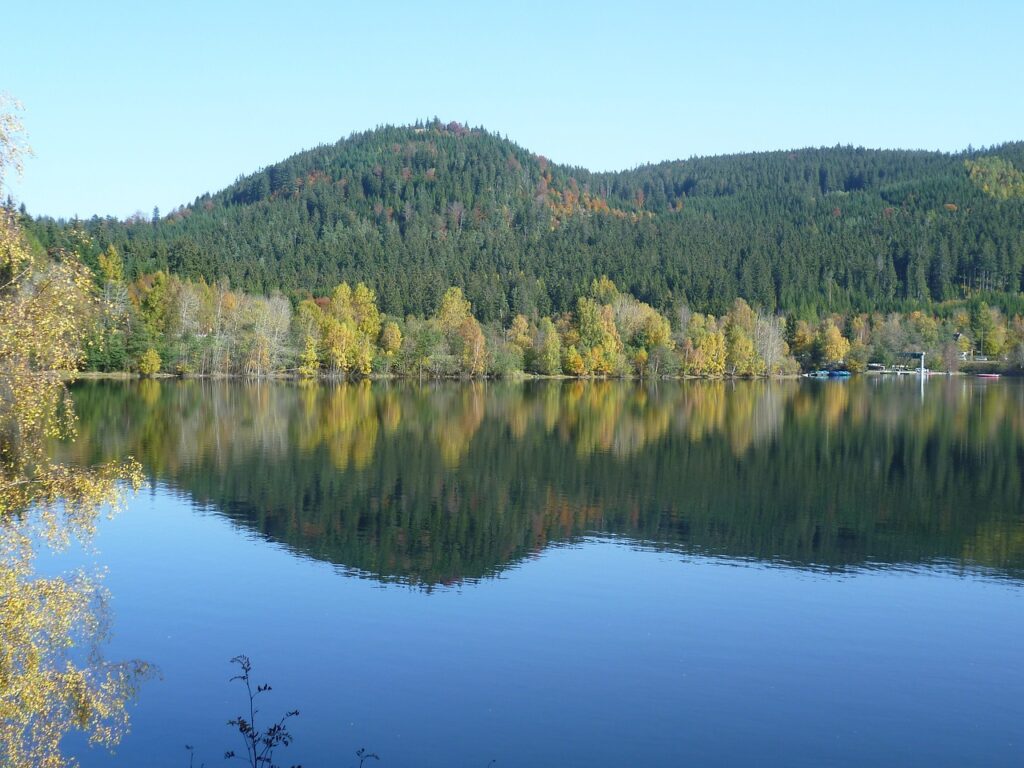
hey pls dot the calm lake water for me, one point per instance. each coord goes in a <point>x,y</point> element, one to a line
<point>572,574</point>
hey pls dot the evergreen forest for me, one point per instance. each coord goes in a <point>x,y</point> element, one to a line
<point>410,211</point>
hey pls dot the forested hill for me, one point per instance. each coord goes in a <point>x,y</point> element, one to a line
<point>413,210</point>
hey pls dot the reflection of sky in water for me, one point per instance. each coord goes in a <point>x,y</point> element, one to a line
<point>595,654</point>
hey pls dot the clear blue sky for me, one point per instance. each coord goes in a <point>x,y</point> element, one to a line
<point>131,105</point>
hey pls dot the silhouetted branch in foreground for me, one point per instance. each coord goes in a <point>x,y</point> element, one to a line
<point>259,744</point>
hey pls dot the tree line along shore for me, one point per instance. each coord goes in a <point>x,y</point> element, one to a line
<point>161,323</point>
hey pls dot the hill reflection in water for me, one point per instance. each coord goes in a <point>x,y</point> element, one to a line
<point>441,483</point>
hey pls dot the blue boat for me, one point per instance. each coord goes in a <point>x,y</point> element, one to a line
<point>827,374</point>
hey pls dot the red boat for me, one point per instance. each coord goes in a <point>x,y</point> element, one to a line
<point>988,375</point>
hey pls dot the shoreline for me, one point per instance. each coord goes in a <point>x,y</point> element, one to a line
<point>129,376</point>
<point>330,378</point>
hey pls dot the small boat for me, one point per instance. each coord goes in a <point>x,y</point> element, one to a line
<point>817,375</point>
<point>988,375</point>
<point>838,374</point>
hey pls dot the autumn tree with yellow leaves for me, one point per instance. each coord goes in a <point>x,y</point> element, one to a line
<point>46,692</point>
<point>832,346</point>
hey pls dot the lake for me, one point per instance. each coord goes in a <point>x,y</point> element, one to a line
<point>571,573</point>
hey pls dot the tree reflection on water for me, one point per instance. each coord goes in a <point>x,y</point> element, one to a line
<point>440,483</point>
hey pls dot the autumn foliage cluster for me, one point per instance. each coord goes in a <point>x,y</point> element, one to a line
<point>162,323</point>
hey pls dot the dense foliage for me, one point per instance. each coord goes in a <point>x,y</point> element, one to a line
<point>160,322</point>
<point>411,211</point>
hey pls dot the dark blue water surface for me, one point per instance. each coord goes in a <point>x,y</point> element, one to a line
<point>569,574</point>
